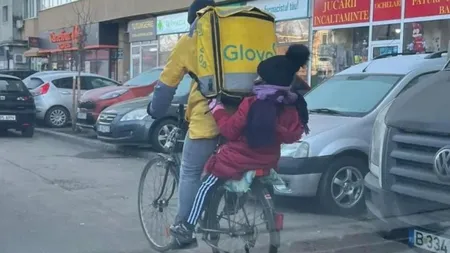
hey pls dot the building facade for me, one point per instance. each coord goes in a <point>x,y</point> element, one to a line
<point>127,38</point>
<point>12,45</point>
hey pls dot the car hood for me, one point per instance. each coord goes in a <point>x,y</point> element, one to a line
<point>424,107</point>
<point>94,94</point>
<point>137,103</point>
<point>319,123</point>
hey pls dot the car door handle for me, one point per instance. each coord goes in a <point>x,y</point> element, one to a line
<point>66,92</point>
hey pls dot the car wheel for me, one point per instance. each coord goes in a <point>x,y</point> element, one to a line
<point>28,132</point>
<point>341,189</point>
<point>57,117</point>
<point>160,132</point>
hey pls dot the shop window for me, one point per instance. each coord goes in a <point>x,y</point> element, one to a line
<point>293,31</point>
<point>386,32</point>
<point>336,50</point>
<point>149,57</point>
<point>289,32</point>
<point>427,36</point>
<point>166,45</point>
<point>97,61</point>
<point>136,50</point>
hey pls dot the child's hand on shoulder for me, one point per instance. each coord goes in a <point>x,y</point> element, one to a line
<point>214,105</point>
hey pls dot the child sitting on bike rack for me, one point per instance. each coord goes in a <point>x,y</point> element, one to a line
<point>254,133</point>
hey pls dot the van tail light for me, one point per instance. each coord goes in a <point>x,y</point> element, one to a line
<point>279,221</point>
<point>42,90</point>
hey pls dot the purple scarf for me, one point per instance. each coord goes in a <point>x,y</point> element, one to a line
<point>262,117</point>
<point>284,95</point>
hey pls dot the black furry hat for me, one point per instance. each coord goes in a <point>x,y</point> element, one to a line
<point>196,6</point>
<point>280,69</point>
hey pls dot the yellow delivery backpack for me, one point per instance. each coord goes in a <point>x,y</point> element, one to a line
<point>231,42</point>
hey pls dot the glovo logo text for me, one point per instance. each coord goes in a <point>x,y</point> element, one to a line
<point>242,53</point>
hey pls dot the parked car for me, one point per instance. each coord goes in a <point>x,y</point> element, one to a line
<point>27,79</point>
<point>127,123</point>
<point>21,74</point>
<point>17,108</point>
<point>92,103</point>
<point>332,160</point>
<point>409,181</point>
<point>54,97</point>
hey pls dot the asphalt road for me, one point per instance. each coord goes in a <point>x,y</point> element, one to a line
<point>58,197</point>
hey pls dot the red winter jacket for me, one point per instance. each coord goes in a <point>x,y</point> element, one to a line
<point>235,157</point>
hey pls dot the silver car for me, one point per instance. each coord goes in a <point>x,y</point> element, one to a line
<point>53,94</point>
<point>332,160</point>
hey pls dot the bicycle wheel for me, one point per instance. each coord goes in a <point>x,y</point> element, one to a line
<point>221,225</point>
<point>157,201</point>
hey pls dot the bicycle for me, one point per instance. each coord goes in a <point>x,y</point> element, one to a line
<point>211,226</point>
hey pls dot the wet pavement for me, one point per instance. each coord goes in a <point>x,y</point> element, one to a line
<point>59,197</point>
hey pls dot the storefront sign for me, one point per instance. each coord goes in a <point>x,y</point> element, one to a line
<point>426,8</point>
<point>65,39</point>
<point>33,42</point>
<point>142,30</point>
<point>387,10</point>
<point>284,9</point>
<point>174,23</point>
<point>340,12</point>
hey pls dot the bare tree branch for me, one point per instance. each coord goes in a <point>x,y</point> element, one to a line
<point>83,12</point>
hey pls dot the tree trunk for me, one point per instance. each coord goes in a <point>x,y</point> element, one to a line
<point>74,104</point>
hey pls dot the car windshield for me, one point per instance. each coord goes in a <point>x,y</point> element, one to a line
<point>350,95</point>
<point>11,86</point>
<point>145,78</point>
<point>183,88</point>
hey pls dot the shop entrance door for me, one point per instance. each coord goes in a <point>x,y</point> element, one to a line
<point>382,47</point>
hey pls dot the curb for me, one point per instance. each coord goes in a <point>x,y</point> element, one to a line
<point>96,144</point>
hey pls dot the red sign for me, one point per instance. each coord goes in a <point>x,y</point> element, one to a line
<point>387,10</point>
<point>65,40</point>
<point>426,8</point>
<point>339,12</point>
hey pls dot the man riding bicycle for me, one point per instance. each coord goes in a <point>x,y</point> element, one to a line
<point>201,139</point>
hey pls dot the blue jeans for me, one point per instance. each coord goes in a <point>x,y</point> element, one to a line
<point>193,159</point>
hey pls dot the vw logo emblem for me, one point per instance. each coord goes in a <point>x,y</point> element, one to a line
<point>2,97</point>
<point>442,163</point>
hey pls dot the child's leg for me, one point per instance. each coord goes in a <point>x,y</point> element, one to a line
<point>209,185</point>
<point>183,233</point>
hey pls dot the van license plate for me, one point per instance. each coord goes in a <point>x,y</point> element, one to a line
<point>8,117</point>
<point>104,129</point>
<point>430,242</point>
<point>82,115</point>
